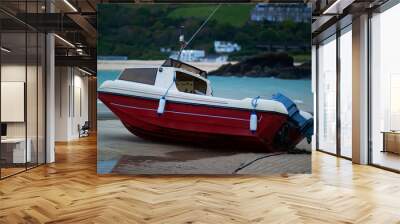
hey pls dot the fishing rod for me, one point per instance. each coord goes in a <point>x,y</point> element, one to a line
<point>184,43</point>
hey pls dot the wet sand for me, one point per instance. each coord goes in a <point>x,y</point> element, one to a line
<point>121,152</point>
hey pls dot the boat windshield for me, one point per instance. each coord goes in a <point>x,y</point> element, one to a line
<point>140,75</point>
<point>190,84</point>
<point>178,64</point>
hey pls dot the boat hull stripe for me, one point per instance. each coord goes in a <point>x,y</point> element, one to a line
<point>186,113</point>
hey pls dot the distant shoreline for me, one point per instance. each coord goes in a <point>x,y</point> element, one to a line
<point>118,65</point>
<point>256,77</point>
<point>122,64</point>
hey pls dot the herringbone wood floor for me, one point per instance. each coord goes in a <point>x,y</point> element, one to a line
<point>70,191</point>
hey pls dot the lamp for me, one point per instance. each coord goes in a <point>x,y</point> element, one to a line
<point>70,5</point>
<point>64,40</point>
<point>337,7</point>
<point>84,71</point>
<point>5,50</point>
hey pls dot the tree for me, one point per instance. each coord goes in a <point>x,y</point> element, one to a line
<point>140,31</point>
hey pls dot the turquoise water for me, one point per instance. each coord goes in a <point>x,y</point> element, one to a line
<point>242,87</point>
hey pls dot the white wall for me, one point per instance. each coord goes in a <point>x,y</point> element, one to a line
<point>33,126</point>
<point>16,73</point>
<point>80,112</point>
<point>71,102</point>
<point>12,73</point>
<point>62,82</point>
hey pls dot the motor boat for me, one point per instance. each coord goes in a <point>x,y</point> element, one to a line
<point>174,102</point>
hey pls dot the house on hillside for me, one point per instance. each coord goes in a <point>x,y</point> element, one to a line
<point>274,12</point>
<point>215,58</point>
<point>225,47</point>
<point>189,55</point>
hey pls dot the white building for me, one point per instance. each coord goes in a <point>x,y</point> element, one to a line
<point>165,49</point>
<point>281,12</point>
<point>189,55</point>
<point>226,47</point>
<point>216,58</point>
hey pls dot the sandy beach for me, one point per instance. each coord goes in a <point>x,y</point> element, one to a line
<point>121,64</point>
<point>121,152</point>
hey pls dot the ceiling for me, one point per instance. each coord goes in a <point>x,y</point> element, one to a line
<point>332,15</point>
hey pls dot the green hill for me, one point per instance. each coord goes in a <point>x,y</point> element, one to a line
<point>235,15</point>
<point>139,31</point>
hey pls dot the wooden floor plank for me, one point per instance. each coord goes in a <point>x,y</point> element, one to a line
<point>70,191</point>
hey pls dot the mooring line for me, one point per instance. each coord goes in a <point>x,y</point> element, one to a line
<point>255,160</point>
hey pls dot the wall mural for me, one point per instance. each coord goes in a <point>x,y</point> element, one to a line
<point>204,89</point>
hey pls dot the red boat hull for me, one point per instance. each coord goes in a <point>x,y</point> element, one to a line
<point>202,124</point>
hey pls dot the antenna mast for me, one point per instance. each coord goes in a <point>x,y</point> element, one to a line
<point>184,44</point>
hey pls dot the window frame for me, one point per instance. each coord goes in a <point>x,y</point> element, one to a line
<point>194,85</point>
<point>153,79</point>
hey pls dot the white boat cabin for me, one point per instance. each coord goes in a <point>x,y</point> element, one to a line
<point>173,75</point>
<point>180,82</point>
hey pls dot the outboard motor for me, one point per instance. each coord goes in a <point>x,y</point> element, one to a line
<point>305,124</point>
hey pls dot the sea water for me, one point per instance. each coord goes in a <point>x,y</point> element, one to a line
<point>299,90</point>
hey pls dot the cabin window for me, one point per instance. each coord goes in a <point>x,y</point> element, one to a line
<point>140,75</point>
<point>190,84</point>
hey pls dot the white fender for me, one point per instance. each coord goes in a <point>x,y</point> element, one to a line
<point>161,106</point>
<point>253,122</point>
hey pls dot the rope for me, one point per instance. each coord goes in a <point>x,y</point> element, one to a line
<point>255,160</point>
<point>166,93</point>
<point>201,27</point>
<point>254,102</point>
